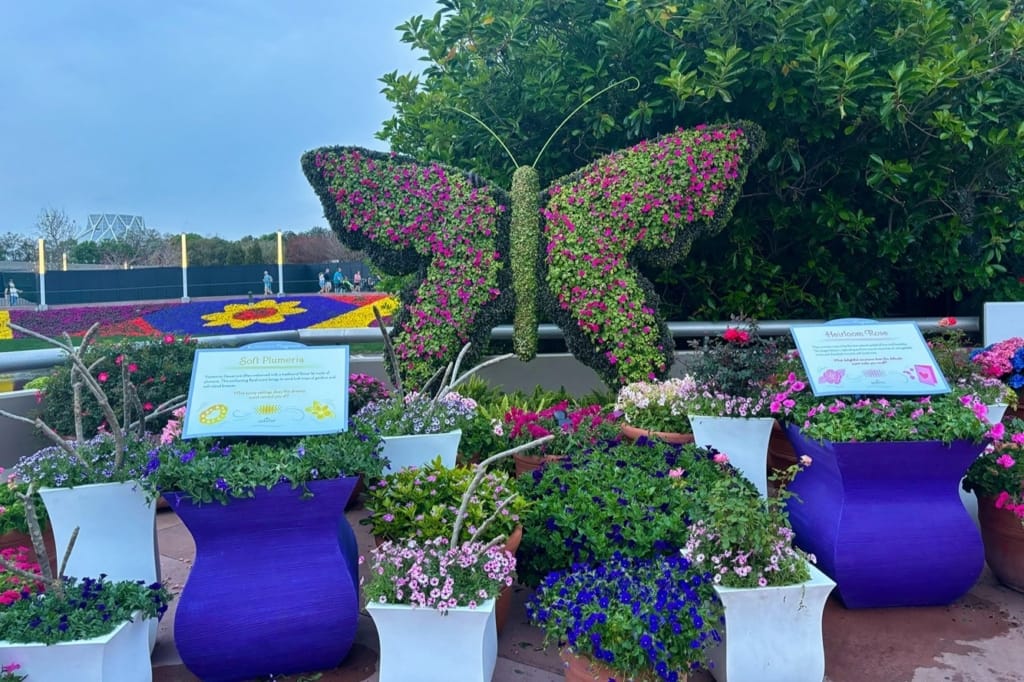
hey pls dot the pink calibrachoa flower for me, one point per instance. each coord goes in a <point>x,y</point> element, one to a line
<point>431,574</point>
<point>1005,461</point>
<point>720,458</point>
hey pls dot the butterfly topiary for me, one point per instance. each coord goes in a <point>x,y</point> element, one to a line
<point>573,250</point>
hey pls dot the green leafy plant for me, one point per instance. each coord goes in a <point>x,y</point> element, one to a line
<point>113,454</point>
<point>364,389</point>
<point>733,372</point>
<point>999,472</point>
<point>743,539</point>
<point>947,417</point>
<point>950,350</point>
<point>209,470</point>
<point>610,497</point>
<point>886,189</point>
<point>158,369</point>
<point>445,572</point>
<point>645,619</point>
<point>422,503</point>
<point>12,505</point>
<point>573,428</point>
<point>656,405</point>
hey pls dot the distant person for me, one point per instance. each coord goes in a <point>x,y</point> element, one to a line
<point>268,284</point>
<point>357,281</point>
<point>323,282</point>
<point>346,285</point>
<point>327,281</point>
<point>12,293</point>
<point>337,279</point>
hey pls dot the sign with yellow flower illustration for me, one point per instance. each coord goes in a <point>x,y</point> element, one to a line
<point>268,392</point>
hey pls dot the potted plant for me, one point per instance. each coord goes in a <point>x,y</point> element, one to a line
<point>94,482</point>
<point>729,411</point>
<point>656,409</point>
<point>573,430</point>
<point>364,389</point>
<point>485,432</point>
<point>285,496</point>
<point>1004,361</point>
<point>886,468</point>
<point>773,597</point>
<point>416,428</point>
<point>997,478</point>
<point>628,618</point>
<point>422,502</point>
<point>158,369</point>
<point>949,348</point>
<point>412,582</point>
<point>55,624</point>
<point>610,498</point>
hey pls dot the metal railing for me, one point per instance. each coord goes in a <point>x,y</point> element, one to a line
<point>14,361</point>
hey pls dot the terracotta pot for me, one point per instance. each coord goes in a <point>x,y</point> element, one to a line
<point>583,669</point>
<point>356,502</point>
<point>18,539</point>
<point>1003,535</point>
<point>526,464</point>
<point>1016,413</point>
<point>632,433</point>
<point>503,606</point>
<point>781,454</point>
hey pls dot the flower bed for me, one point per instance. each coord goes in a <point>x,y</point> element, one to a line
<point>205,317</point>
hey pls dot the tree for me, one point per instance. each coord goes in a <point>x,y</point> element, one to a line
<point>58,231</point>
<point>86,252</point>
<point>891,183</point>
<point>17,247</point>
<point>317,245</point>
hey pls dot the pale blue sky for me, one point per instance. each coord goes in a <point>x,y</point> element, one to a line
<point>190,113</point>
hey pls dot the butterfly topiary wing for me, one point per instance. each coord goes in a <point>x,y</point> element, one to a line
<point>427,218</point>
<point>646,204</point>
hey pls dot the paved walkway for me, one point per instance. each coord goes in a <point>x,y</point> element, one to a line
<point>979,638</point>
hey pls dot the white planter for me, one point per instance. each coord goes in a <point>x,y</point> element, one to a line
<point>122,655</point>
<point>426,646</point>
<point>743,440</point>
<point>420,449</point>
<point>994,416</point>
<point>772,634</point>
<point>116,536</point>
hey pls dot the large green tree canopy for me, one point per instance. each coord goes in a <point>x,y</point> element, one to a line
<point>890,183</point>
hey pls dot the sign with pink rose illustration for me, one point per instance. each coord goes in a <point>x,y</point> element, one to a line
<point>875,358</point>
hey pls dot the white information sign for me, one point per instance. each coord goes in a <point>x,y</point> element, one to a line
<point>879,358</point>
<point>268,392</point>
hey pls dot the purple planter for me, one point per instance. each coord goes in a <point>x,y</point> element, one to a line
<point>885,520</point>
<point>271,591</point>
